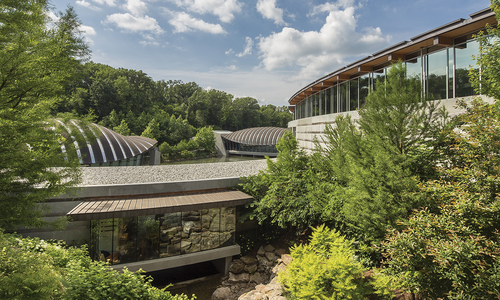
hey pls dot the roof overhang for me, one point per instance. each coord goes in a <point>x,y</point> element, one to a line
<point>440,36</point>
<point>122,207</point>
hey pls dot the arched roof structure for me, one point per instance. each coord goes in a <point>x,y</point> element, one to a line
<point>257,136</point>
<point>108,146</point>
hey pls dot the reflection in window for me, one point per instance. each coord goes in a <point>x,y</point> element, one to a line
<point>451,63</point>
<point>379,79</point>
<point>353,94</point>
<point>364,88</point>
<point>124,240</point>
<point>343,97</point>
<point>463,61</point>
<point>328,102</point>
<point>334,100</point>
<point>436,75</point>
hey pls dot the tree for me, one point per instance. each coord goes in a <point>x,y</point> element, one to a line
<point>122,128</point>
<point>36,61</point>
<point>485,78</point>
<point>451,247</point>
<point>378,160</point>
<point>152,131</point>
<point>205,139</point>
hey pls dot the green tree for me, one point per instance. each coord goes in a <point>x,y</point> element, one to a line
<point>206,139</point>
<point>450,249</point>
<point>152,131</point>
<point>37,59</point>
<point>379,160</point>
<point>122,128</point>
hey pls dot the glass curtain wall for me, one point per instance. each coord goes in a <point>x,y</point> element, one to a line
<point>343,96</point>
<point>463,59</point>
<point>364,89</point>
<point>436,66</point>
<point>353,94</point>
<point>124,240</point>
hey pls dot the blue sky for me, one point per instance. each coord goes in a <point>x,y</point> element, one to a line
<point>266,49</point>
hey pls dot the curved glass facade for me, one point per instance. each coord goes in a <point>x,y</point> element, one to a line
<point>443,71</point>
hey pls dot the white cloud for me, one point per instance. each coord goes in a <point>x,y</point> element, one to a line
<point>136,7</point>
<point>232,68</point>
<point>183,22</point>
<point>248,47</point>
<point>268,10</point>
<point>87,5</point>
<point>229,52</point>
<point>88,31</point>
<point>319,52</point>
<point>107,2</point>
<point>224,9</point>
<point>135,24</point>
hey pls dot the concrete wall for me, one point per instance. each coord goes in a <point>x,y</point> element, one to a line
<point>307,129</point>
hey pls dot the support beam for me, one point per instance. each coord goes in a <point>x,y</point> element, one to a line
<point>395,57</point>
<point>364,69</point>
<point>443,41</point>
<point>343,77</point>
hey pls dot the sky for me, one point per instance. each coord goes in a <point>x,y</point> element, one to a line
<point>265,49</point>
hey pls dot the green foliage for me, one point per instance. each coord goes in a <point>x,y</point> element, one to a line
<point>326,268</point>
<point>289,192</point>
<point>123,128</point>
<point>451,248</point>
<point>152,131</point>
<point>206,139</point>
<point>35,269</point>
<point>378,161</point>
<point>38,58</point>
<point>165,149</point>
<point>485,78</point>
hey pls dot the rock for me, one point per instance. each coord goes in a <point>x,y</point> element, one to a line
<point>269,248</point>
<point>286,258</point>
<point>251,268</point>
<point>261,251</point>
<point>271,257</point>
<point>222,293</point>
<point>279,252</point>
<point>239,278</point>
<point>258,278</point>
<point>237,267</point>
<point>186,226</point>
<point>248,260</point>
<point>278,268</point>
<point>253,295</point>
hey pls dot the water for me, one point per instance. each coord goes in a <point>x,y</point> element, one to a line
<point>230,158</point>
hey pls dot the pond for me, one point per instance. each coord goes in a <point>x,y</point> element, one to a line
<point>218,159</point>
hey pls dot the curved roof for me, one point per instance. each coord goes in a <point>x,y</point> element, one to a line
<point>256,136</point>
<point>109,146</point>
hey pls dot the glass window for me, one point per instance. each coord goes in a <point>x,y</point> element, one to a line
<point>147,237</point>
<point>353,94</point>
<point>170,236</point>
<point>451,63</point>
<point>126,230</point>
<point>333,100</point>
<point>191,232</point>
<point>328,102</point>
<point>343,97</point>
<point>436,75</point>
<point>211,219</point>
<point>364,89</point>
<point>414,68</point>
<point>463,61</point>
<point>379,79</point>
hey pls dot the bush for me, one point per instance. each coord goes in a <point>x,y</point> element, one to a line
<point>35,269</point>
<point>326,268</point>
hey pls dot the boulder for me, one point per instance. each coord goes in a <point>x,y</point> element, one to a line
<point>251,268</point>
<point>278,268</point>
<point>237,267</point>
<point>258,278</point>
<point>279,252</point>
<point>239,278</point>
<point>271,257</point>
<point>269,248</point>
<point>222,293</point>
<point>286,259</point>
<point>261,251</point>
<point>248,260</point>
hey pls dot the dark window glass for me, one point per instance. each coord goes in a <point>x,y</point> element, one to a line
<point>436,75</point>
<point>334,100</point>
<point>328,101</point>
<point>451,62</point>
<point>353,94</point>
<point>463,61</point>
<point>343,97</point>
<point>364,89</point>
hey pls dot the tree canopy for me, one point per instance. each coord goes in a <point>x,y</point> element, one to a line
<point>38,58</point>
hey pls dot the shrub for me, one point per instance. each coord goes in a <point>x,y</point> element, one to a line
<point>326,268</point>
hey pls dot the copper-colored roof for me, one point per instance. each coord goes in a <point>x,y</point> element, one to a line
<point>256,136</point>
<point>152,205</point>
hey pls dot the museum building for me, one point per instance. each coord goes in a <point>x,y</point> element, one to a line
<point>440,59</point>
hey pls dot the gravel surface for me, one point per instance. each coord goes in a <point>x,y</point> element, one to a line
<point>167,173</point>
